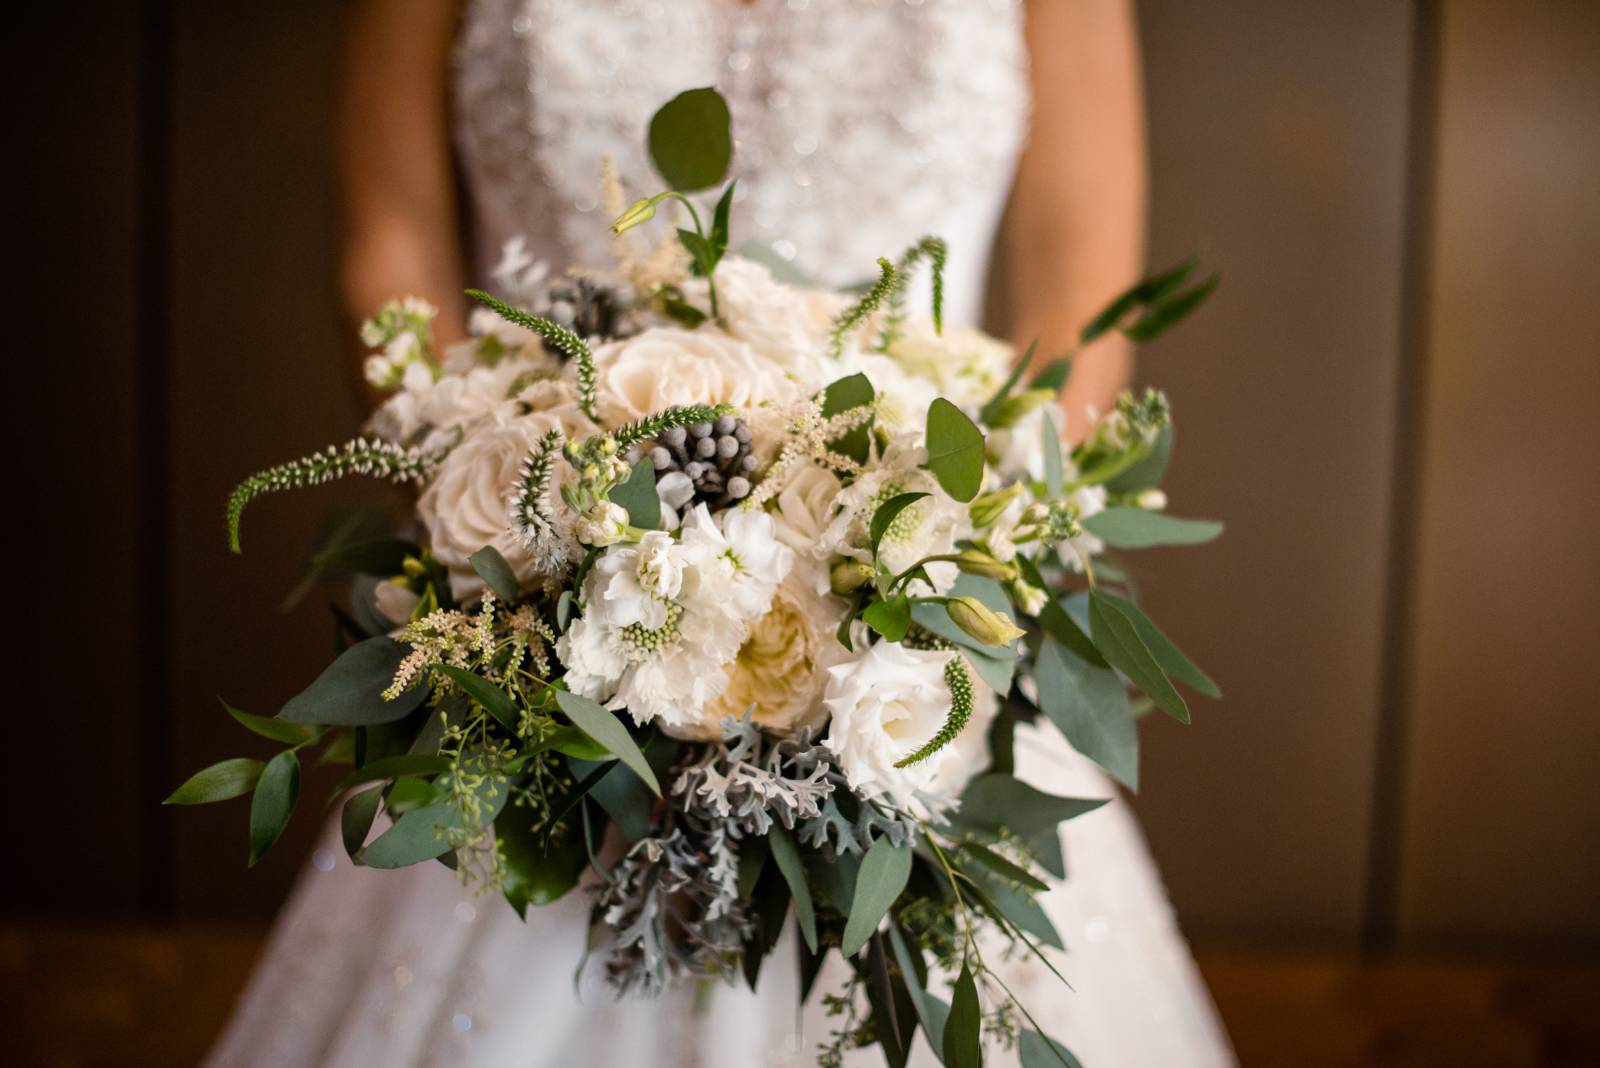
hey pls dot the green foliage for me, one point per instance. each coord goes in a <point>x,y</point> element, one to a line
<point>960,684</point>
<point>564,341</point>
<point>1006,869</point>
<point>934,250</point>
<point>495,572</point>
<point>349,693</point>
<point>1160,300</point>
<point>1040,1051</point>
<point>852,391</point>
<point>890,618</point>
<point>362,456</point>
<point>955,450</point>
<point>386,768</point>
<point>355,819</point>
<point>1168,655</point>
<point>1057,623</point>
<point>1051,440</point>
<point>222,781</point>
<point>691,140</point>
<point>1118,639</point>
<point>274,729</point>
<point>1089,706</point>
<point>963,1039</point>
<point>1053,375</point>
<point>538,869</point>
<point>870,302</point>
<point>491,698</point>
<point>1137,528</point>
<point>787,856</point>
<point>884,872</point>
<point>997,803</point>
<point>638,495</point>
<point>605,728</point>
<point>991,408</point>
<point>273,802</point>
<point>884,515</point>
<point>532,520</point>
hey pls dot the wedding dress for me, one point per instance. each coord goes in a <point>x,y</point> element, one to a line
<point>859,127</point>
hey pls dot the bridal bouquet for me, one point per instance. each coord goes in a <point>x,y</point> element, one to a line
<point>726,599</point>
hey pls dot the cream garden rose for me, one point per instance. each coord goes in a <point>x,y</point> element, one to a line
<point>885,705</point>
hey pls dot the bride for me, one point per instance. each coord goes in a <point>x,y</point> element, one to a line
<point>860,125</point>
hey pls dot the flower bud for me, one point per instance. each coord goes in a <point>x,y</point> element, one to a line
<point>604,524</point>
<point>639,213</point>
<point>982,622</point>
<point>977,562</point>
<point>988,507</point>
<point>1028,598</point>
<point>1152,500</point>
<point>848,576</point>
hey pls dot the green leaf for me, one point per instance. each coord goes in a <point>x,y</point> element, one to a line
<point>1039,1051</point>
<point>999,802</point>
<point>1137,528</point>
<point>955,450</point>
<point>1009,906</point>
<point>992,406</point>
<point>1052,376</point>
<point>1057,623</point>
<point>222,781</point>
<point>891,618</point>
<point>1169,313</point>
<point>1003,867</point>
<point>884,871</point>
<point>638,495</point>
<point>930,1010</point>
<point>884,516</point>
<point>752,858</point>
<point>570,741</point>
<point>276,791</point>
<point>494,700</point>
<point>408,794</point>
<point>1115,635</point>
<point>787,856</point>
<point>719,222</point>
<point>699,250</point>
<point>1146,474</point>
<point>413,838</point>
<point>1140,293</point>
<point>1051,439</point>
<point>1089,706</point>
<point>493,569</point>
<point>537,871</point>
<point>376,556</point>
<point>605,728</point>
<point>995,671</point>
<point>355,821</point>
<point>1168,655</point>
<point>276,729</point>
<point>350,692</point>
<point>963,1041</point>
<point>691,140</point>
<point>393,767</point>
<point>852,391</point>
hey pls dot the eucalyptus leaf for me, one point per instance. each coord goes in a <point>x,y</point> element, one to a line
<point>691,140</point>
<point>604,727</point>
<point>375,556</point>
<point>1116,636</point>
<point>891,618</point>
<point>1053,375</point>
<point>1168,655</point>
<point>1040,1051</point>
<point>884,516</point>
<point>955,450</point>
<point>1057,623</point>
<point>414,837</point>
<point>350,692</point>
<point>1138,528</point>
<point>409,793</point>
<point>493,569</point>
<point>638,495</point>
<point>1051,441</point>
<point>537,870</point>
<point>930,1010</point>
<point>787,857</point>
<point>355,820</point>
<point>274,799</point>
<point>276,729</point>
<point>1010,906</point>
<point>1139,294</point>
<point>998,803</point>
<point>849,392</point>
<point>883,875</point>
<point>222,781</point>
<point>494,700</point>
<point>752,858</point>
<point>1089,706</point>
<point>1147,473</point>
<point>963,1039</point>
<point>1004,867</point>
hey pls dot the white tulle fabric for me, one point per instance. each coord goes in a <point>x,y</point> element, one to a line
<point>860,126</point>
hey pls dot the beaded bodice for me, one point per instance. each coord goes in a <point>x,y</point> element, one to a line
<point>859,124</point>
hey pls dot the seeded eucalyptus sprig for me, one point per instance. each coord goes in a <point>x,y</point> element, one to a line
<point>362,456</point>
<point>565,341</point>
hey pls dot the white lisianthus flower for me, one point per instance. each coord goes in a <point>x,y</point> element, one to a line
<point>967,366</point>
<point>464,505</point>
<point>885,705</point>
<point>667,366</point>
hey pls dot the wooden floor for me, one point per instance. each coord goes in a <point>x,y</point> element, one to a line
<point>86,995</point>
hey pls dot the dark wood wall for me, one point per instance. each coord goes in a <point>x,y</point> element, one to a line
<point>1390,402</point>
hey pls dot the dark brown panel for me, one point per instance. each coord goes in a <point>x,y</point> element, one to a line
<point>258,378</point>
<point>1279,149</point>
<point>1502,817</point>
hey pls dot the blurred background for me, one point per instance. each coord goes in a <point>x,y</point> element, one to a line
<point>1384,842</point>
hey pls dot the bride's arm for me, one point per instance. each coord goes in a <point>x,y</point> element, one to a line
<point>399,231</point>
<point>1075,230</point>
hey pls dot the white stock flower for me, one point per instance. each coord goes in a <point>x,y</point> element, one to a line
<point>744,561</point>
<point>464,505</point>
<point>885,705</point>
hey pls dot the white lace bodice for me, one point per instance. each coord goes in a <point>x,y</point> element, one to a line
<point>859,125</point>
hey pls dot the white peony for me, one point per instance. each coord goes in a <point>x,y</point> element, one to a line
<point>464,505</point>
<point>885,705</point>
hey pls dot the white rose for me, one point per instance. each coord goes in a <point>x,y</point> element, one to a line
<point>464,507</point>
<point>667,366</point>
<point>803,509</point>
<point>966,365</point>
<point>888,703</point>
